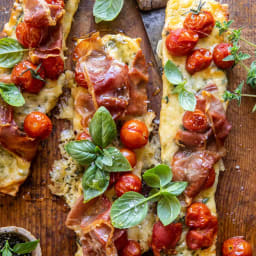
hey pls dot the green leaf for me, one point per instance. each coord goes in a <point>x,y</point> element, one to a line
<point>251,76</point>
<point>229,58</point>
<point>82,151</point>
<point>6,250</point>
<point>11,52</point>
<point>158,176</point>
<point>11,95</point>
<point>223,27</point>
<point>187,100</point>
<point>107,158</point>
<point>175,188</point>
<point>168,209</point>
<point>172,73</point>
<point>107,10</point>
<point>95,182</point>
<point>152,193</point>
<point>119,162</point>
<point>205,200</point>
<point>128,210</point>
<point>102,128</point>
<point>235,36</point>
<point>27,247</point>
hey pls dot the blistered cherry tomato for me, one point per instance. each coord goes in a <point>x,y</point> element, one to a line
<point>198,215</point>
<point>236,246</point>
<point>84,136</point>
<point>38,125</point>
<point>30,36</point>
<point>53,67</point>
<point>79,76</point>
<point>22,76</point>
<point>122,240</point>
<point>220,52</point>
<point>202,23</point>
<point>195,121</point>
<point>129,155</point>
<point>180,42</point>
<point>128,182</point>
<point>134,134</point>
<point>131,249</point>
<point>166,237</point>
<point>198,60</point>
<point>210,179</point>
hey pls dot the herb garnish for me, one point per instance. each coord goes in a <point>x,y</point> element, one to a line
<point>131,208</point>
<point>11,95</point>
<point>34,73</point>
<point>198,9</point>
<point>97,156</point>
<point>187,98</point>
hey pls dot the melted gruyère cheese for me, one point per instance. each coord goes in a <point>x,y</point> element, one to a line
<point>172,113</point>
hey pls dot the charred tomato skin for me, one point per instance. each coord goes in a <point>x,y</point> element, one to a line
<point>53,67</point>
<point>180,42</point>
<point>220,52</point>
<point>132,248</point>
<point>23,78</point>
<point>195,121</point>
<point>38,125</point>
<point>134,134</point>
<point>236,246</point>
<point>129,155</point>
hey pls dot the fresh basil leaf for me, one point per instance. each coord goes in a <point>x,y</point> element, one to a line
<point>176,188</point>
<point>107,10</point>
<point>172,73</point>
<point>95,182</point>
<point>99,163</point>
<point>187,100</point>
<point>11,95</point>
<point>107,158</point>
<point>168,209</point>
<point>158,176</point>
<point>82,151</point>
<point>128,210</point>
<point>102,128</point>
<point>27,247</point>
<point>119,162</point>
<point>6,252</point>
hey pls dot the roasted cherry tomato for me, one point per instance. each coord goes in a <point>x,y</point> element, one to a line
<point>195,121</point>
<point>24,74</point>
<point>131,249</point>
<point>79,76</point>
<point>180,42</point>
<point>166,237</point>
<point>128,182</point>
<point>198,215</point>
<point>30,36</point>
<point>134,134</point>
<point>53,67</point>
<point>129,155</point>
<point>236,246</point>
<point>220,52</point>
<point>114,177</point>
<point>210,179</point>
<point>198,60</point>
<point>38,125</point>
<point>121,240</point>
<point>202,23</point>
<point>84,136</point>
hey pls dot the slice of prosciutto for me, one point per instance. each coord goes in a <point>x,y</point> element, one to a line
<point>91,221</point>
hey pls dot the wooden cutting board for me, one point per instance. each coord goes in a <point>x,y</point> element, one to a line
<point>44,215</point>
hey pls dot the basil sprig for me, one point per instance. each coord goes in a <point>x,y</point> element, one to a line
<point>11,95</point>
<point>131,208</point>
<point>186,98</point>
<point>100,159</point>
<point>107,10</point>
<point>11,52</point>
<point>21,248</point>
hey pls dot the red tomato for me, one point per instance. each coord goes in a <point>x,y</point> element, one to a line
<point>128,182</point>
<point>210,179</point>
<point>181,41</point>
<point>22,76</point>
<point>198,215</point>
<point>53,67</point>
<point>129,155</point>
<point>38,125</point>
<point>30,36</point>
<point>84,136</point>
<point>195,121</point>
<point>122,240</point>
<point>131,249</point>
<point>202,23</point>
<point>79,76</point>
<point>220,52</point>
<point>198,60</point>
<point>236,246</point>
<point>166,237</point>
<point>56,2</point>
<point>134,134</point>
<point>114,177</point>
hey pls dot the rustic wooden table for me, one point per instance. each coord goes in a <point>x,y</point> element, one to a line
<point>44,215</point>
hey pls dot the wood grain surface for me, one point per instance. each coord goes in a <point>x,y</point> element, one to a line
<point>44,215</point>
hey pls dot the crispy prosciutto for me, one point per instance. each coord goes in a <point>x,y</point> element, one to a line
<point>92,222</point>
